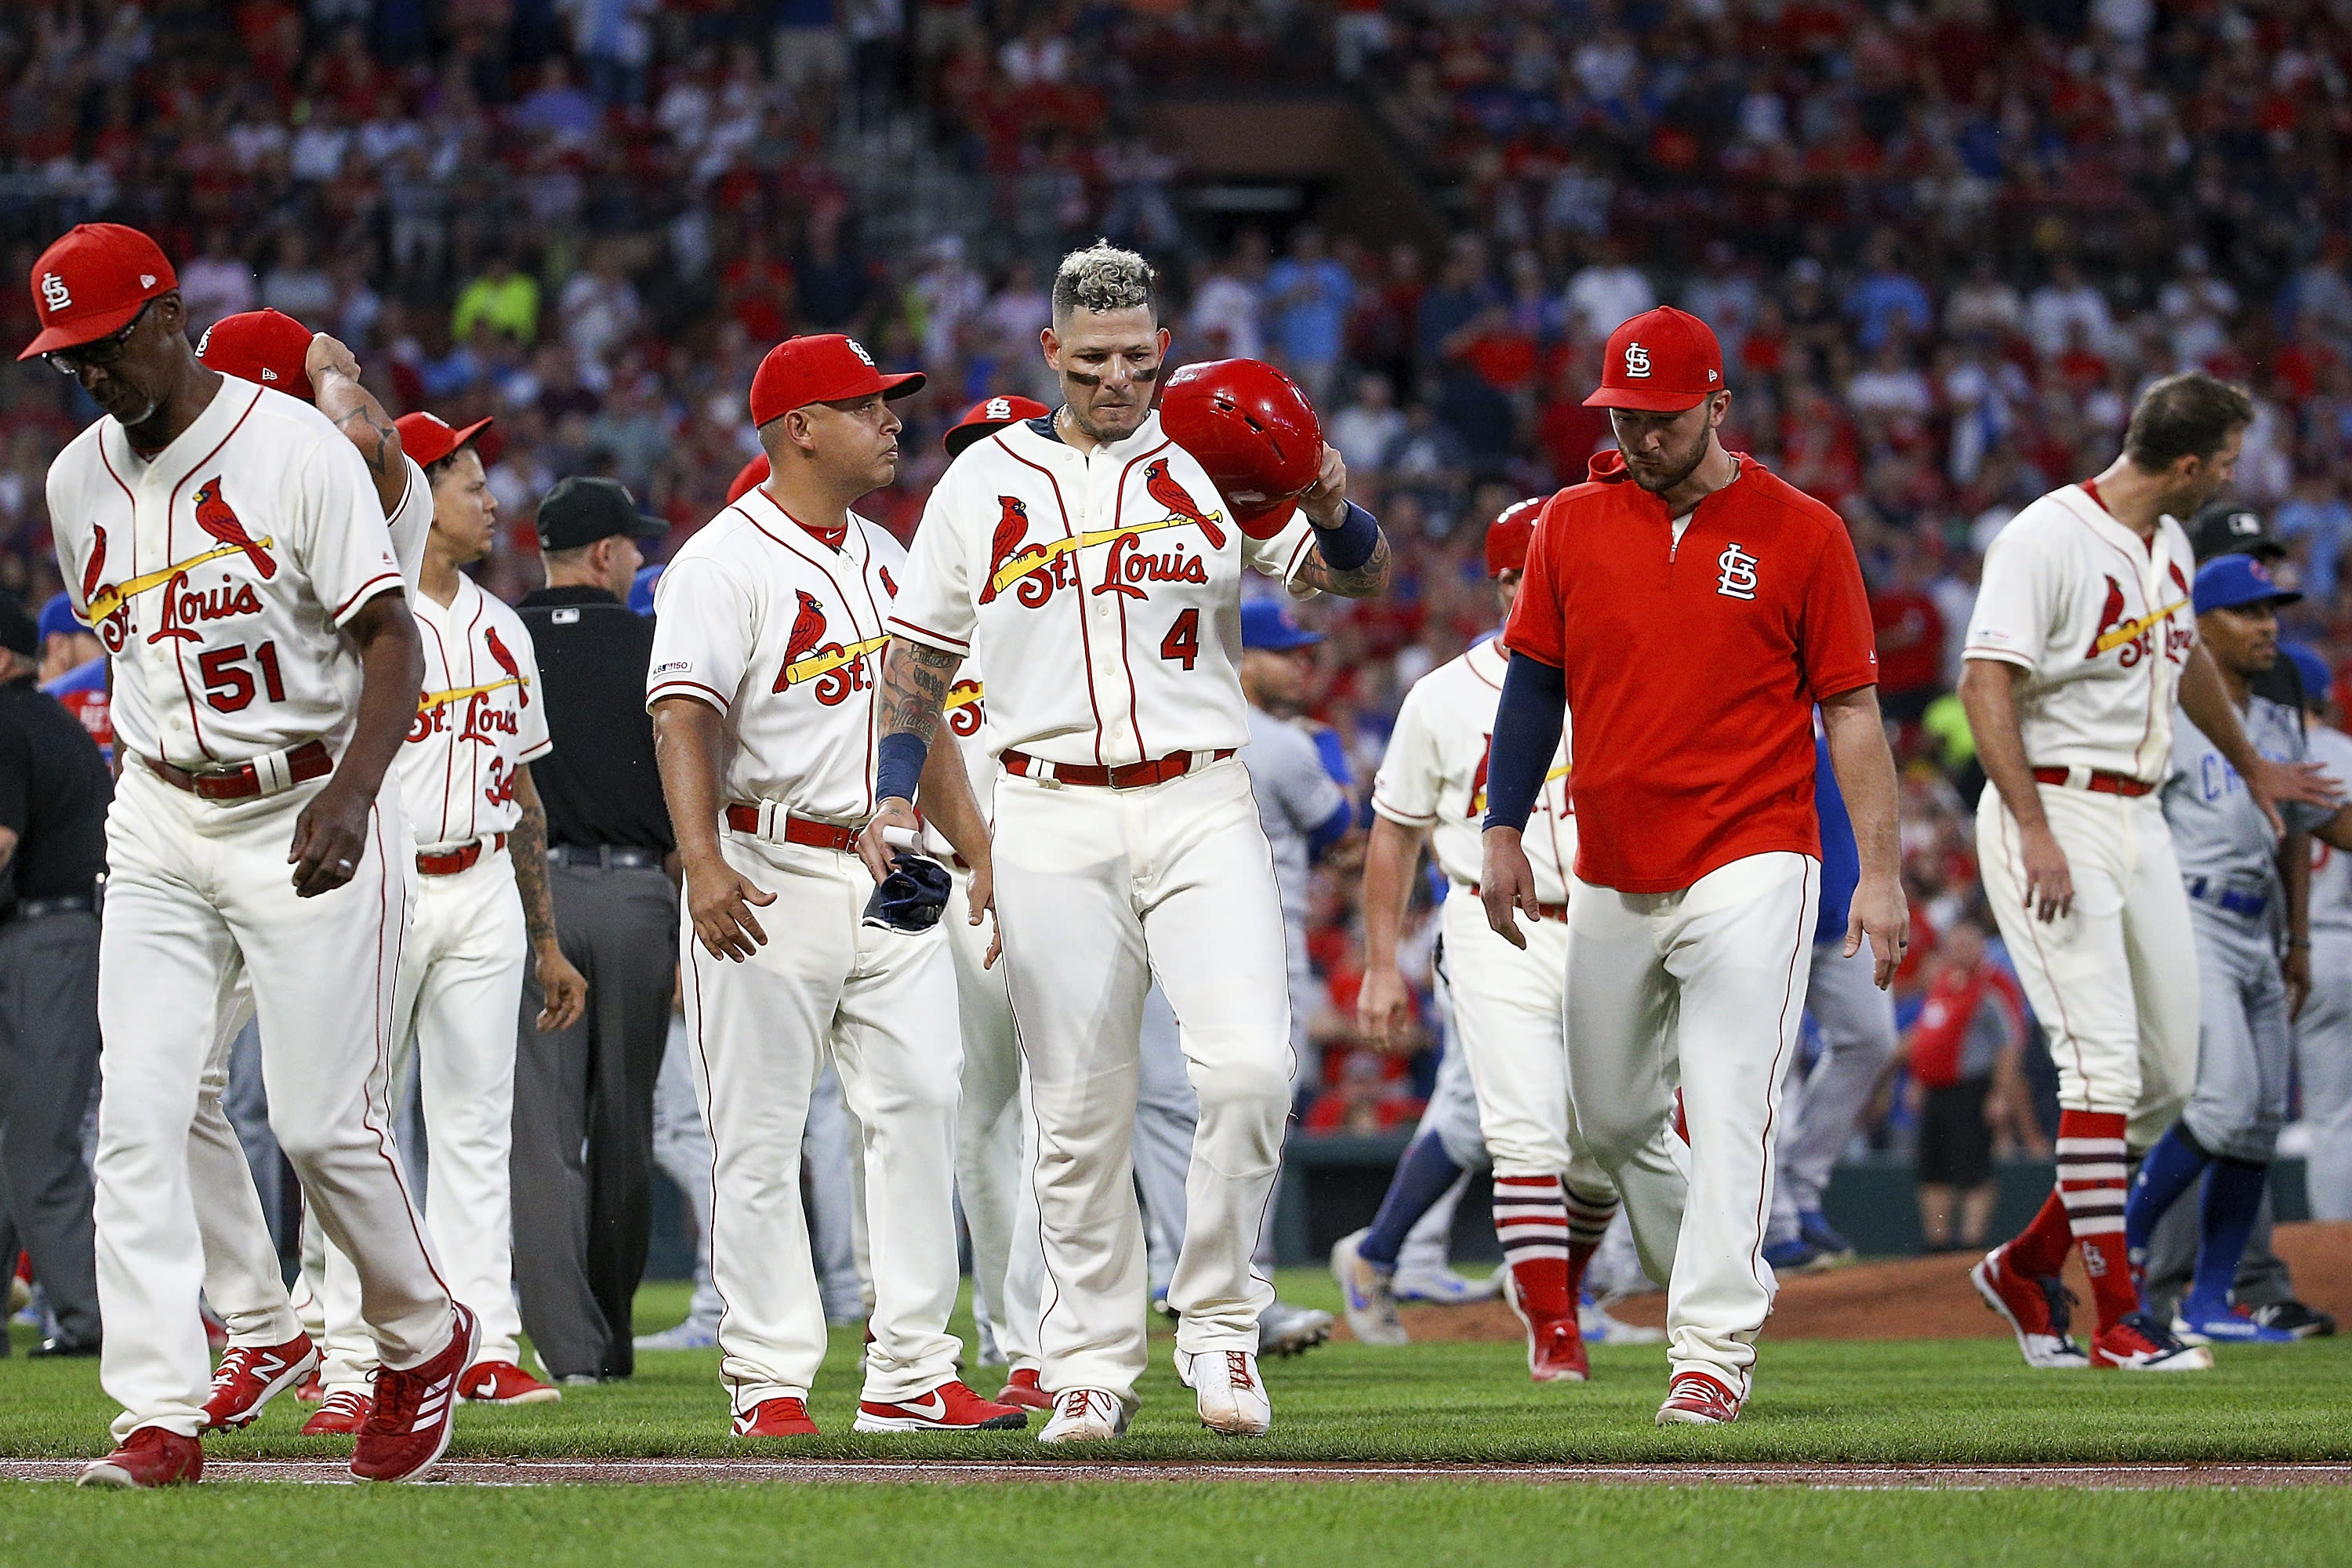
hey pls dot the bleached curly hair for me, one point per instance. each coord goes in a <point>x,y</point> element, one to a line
<point>1103,278</point>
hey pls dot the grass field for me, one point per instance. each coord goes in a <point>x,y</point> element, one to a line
<point>1465,1404</point>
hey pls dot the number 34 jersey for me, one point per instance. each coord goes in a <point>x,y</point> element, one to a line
<point>219,573</point>
<point>1101,589</point>
<point>482,715</point>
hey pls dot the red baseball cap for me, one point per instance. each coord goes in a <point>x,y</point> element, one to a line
<point>91,281</point>
<point>1509,535</point>
<point>428,438</point>
<point>750,477</point>
<point>824,368</point>
<point>989,413</point>
<point>266,346</point>
<point>1662,361</point>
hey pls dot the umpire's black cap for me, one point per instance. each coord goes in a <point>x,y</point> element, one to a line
<point>2232,527</point>
<point>582,510</point>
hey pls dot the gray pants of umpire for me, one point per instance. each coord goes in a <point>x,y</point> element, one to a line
<point>583,1161</point>
<point>49,1062</point>
<point>2243,1051</point>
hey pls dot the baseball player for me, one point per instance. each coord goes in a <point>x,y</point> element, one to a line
<point>73,670</point>
<point>2082,641</point>
<point>1094,567</point>
<point>2247,882</point>
<point>270,1345</point>
<point>764,701</point>
<point>2323,1030</point>
<point>1690,610</point>
<point>225,544</point>
<point>1856,1020</point>
<point>482,909</point>
<point>1552,1202</point>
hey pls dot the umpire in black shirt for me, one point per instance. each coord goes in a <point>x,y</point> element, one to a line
<point>582,1219</point>
<point>54,790</point>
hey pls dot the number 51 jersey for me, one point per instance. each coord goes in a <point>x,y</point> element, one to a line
<point>220,572</point>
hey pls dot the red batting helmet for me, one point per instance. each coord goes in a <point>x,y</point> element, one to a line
<point>1253,429</point>
<point>1508,536</point>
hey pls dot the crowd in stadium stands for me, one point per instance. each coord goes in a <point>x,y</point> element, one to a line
<point>1943,244</point>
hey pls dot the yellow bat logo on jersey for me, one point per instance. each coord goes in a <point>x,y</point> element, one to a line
<point>432,699</point>
<point>1034,556</point>
<point>106,600</point>
<point>1478,786</point>
<point>2130,630</point>
<point>808,666</point>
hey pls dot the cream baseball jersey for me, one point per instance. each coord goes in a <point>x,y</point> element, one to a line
<point>965,715</point>
<point>782,634</point>
<point>2101,622</point>
<point>220,572</point>
<point>482,715</point>
<point>410,522</point>
<point>1102,589</point>
<point>1433,774</point>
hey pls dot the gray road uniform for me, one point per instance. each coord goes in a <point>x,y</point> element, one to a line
<point>2323,1035</point>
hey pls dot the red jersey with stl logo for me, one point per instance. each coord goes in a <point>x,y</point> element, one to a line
<point>1692,666</point>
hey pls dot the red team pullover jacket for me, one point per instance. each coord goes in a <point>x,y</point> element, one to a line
<point>1692,667</point>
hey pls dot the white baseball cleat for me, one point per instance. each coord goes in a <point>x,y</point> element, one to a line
<point>1364,1295</point>
<point>1445,1288</point>
<point>1085,1416</point>
<point>1599,1327</point>
<point>1233,1397</point>
<point>1284,1330</point>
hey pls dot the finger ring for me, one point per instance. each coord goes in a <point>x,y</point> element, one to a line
<point>342,865</point>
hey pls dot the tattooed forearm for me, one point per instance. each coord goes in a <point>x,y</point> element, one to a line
<point>915,681</point>
<point>378,442</point>
<point>1356,583</point>
<point>527,844</point>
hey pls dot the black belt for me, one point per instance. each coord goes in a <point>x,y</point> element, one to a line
<point>603,856</point>
<point>67,903</point>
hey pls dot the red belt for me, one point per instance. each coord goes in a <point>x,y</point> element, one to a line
<point>1133,775</point>
<point>1543,911</point>
<point>2099,781</point>
<point>744,818</point>
<point>449,862</point>
<point>308,761</point>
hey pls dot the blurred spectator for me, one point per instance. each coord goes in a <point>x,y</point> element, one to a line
<point>1363,430</point>
<point>1965,1053</point>
<point>1307,298</point>
<point>1366,1100</point>
<point>504,298</point>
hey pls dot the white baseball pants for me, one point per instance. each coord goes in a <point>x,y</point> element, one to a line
<point>682,1152</point>
<point>2114,981</point>
<point>1857,1025</point>
<point>1704,989</point>
<point>1102,891</point>
<point>194,886</point>
<point>882,1002</point>
<point>242,1280</point>
<point>995,1147</point>
<point>2323,1061</point>
<point>459,993</point>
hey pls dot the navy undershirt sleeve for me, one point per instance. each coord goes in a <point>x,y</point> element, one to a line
<point>1527,732</point>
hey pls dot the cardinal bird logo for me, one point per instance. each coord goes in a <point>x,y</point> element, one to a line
<point>2111,615</point>
<point>507,662</point>
<point>1012,529</point>
<point>808,627</point>
<point>95,571</point>
<point>2178,580</point>
<point>889,583</point>
<point>213,515</point>
<point>1165,489</point>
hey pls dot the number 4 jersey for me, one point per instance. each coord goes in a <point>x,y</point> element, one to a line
<point>1101,589</point>
<point>219,573</point>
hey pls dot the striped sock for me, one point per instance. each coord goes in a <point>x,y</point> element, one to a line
<point>2093,1174</point>
<point>2041,1246</point>
<point>1532,1222</point>
<point>1589,1219</point>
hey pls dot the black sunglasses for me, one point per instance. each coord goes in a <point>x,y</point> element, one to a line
<point>102,352</point>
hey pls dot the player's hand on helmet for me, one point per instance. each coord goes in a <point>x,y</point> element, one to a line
<point>720,900</point>
<point>562,989</point>
<point>874,847</point>
<point>2048,880</point>
<point>1384,1011</point>
<point>1324,501</point>
<point>1507,883</point>
<point>1881,915</point>
<point>328,354</point>
<point>2308,784</point>
<point>330,840</point>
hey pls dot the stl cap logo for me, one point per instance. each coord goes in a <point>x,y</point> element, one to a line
<point>859,349</point>
<point>999,408</point>
<point>204,343</point>
<point>54,293</point>
<point>1637,361</point>
<point>1739,579</point>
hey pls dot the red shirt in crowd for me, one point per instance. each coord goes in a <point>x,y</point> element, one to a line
<point>1692,668</point>
<point>1910,638</point>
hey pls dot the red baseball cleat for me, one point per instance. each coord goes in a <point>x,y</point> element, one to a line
<point>339,1415</point>
<point>2037,1309</point>
<point>503,1382</point>
<point>1695,1399</point>
<point>1022,1393</point>
<point>310,1391</point>
<point>776,1419</point>
<point>407,1428</point>
<point>250,1376</point>
<point>2140,1343</point>
<point>1556,1353</point>
<point>149,1456</point>
<point>950,1408</point>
